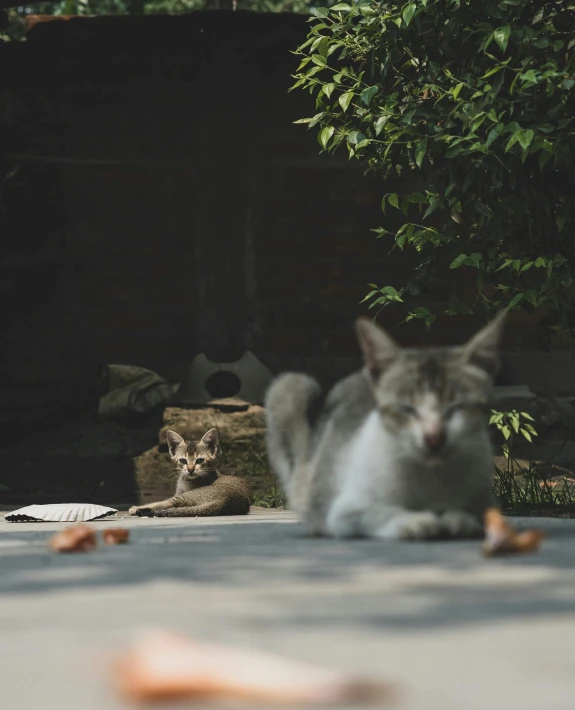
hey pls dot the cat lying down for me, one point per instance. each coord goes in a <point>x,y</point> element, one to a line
<point>200,490</point>
<point>400,450</point>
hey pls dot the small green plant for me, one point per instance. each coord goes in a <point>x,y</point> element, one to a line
<point>511,424</point>
<point>272,498</point>
<point>518,488</point>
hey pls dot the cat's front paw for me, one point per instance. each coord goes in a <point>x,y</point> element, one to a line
<point>141,511</point>
<point>459,523</point>
<point>411,526</point>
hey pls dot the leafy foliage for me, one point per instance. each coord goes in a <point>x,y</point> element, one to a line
<point>511,424</point>
<point>467,108</point>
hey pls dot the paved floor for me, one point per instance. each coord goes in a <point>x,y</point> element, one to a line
<point>456,631</point>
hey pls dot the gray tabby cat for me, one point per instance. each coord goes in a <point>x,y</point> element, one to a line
<point>200,491</point>
<point>400,450</point>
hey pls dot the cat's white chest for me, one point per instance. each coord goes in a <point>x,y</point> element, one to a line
<point>365,470</point>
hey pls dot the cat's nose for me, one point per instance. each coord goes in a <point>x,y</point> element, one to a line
<point>434,440</point>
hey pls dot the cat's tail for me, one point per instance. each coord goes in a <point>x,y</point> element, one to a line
<point>289,402</point>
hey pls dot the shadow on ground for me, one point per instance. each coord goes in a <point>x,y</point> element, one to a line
<point>318,582</point>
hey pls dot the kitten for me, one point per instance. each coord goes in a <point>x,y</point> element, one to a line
<point>400,450</point>
<point>200,491</point>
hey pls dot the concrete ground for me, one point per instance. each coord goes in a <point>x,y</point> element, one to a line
<point>455,631</point>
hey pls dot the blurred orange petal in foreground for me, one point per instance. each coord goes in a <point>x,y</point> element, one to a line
<point>502,539</point>
<point>78,538</point>
<point>165,666</point>
<point>116,536</point>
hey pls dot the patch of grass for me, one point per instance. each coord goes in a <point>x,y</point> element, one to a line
<point>521,490</point>
<point>246,457</point>
<point>273,498</point>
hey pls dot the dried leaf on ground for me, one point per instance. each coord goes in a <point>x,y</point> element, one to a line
<point>116,536</point>
<point>502,539</point>
<point>78,538</point>
<point>166,666</point>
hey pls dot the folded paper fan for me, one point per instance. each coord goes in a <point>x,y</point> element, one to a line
<point>60,513</point>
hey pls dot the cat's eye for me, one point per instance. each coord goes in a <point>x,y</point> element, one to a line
<point>200,461</point>
<point>454,408</point>
<point>182,461</point>
<point>407,409</point>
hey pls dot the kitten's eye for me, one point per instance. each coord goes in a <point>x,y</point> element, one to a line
<point>183,461</point>
<point>200,461</point>
<point>407,409</point>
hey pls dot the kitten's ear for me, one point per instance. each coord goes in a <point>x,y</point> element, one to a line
<point>483,348</point>
<point>379,350</point>
<point>210,439</point>
<point>175,441</point>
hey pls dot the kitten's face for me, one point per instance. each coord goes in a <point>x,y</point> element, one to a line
<point>193,458</point>
<point>433,401</point>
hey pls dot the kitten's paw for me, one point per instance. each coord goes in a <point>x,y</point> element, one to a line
<point>141,512</point>
<point>411,526</point>
<point>459,523</point>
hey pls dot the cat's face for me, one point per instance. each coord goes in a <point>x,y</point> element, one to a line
<point>433,401</point>
<point>193,458</point>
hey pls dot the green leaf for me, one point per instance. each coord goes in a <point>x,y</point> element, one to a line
<point>369,295</point>
<point>325,135</point>
<point>526,434</point>
<point>316,119</point>
<point>420,151</point>
<point>493,71</point>
<point>320,11</point>
<point>328,89</point>
<point>515,300</point>
<point>393,200</point>
<point>409,12</point>
<point>367,94</point>
<point>506,431</point>
<point>511,142</point>
<point>379,124</point>
<point>494,134</point>
<point>501,36</point>
<point>341,7</point>
<point>525,136</point>
<point>319,59</point>
<point>528,416</point>
<point>455,92</point>
<point>355,138</point>
<point>458,261</point>
<point>434,203</point>
<point>345,100</point>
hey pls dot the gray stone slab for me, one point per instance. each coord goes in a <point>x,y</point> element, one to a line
<point>454,630</point>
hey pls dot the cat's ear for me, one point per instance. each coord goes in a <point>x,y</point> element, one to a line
<point>483,348</point>
<point>210,439</point>
<point>175,442</point>
<point>379,350</point>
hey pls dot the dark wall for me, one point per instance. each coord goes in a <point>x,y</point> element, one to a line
<point>196,215</point>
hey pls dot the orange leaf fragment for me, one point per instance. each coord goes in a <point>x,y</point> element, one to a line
<point>502,539</point>
<point>78,538</point>
<point>116,536</point>
<point>166,666</point>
